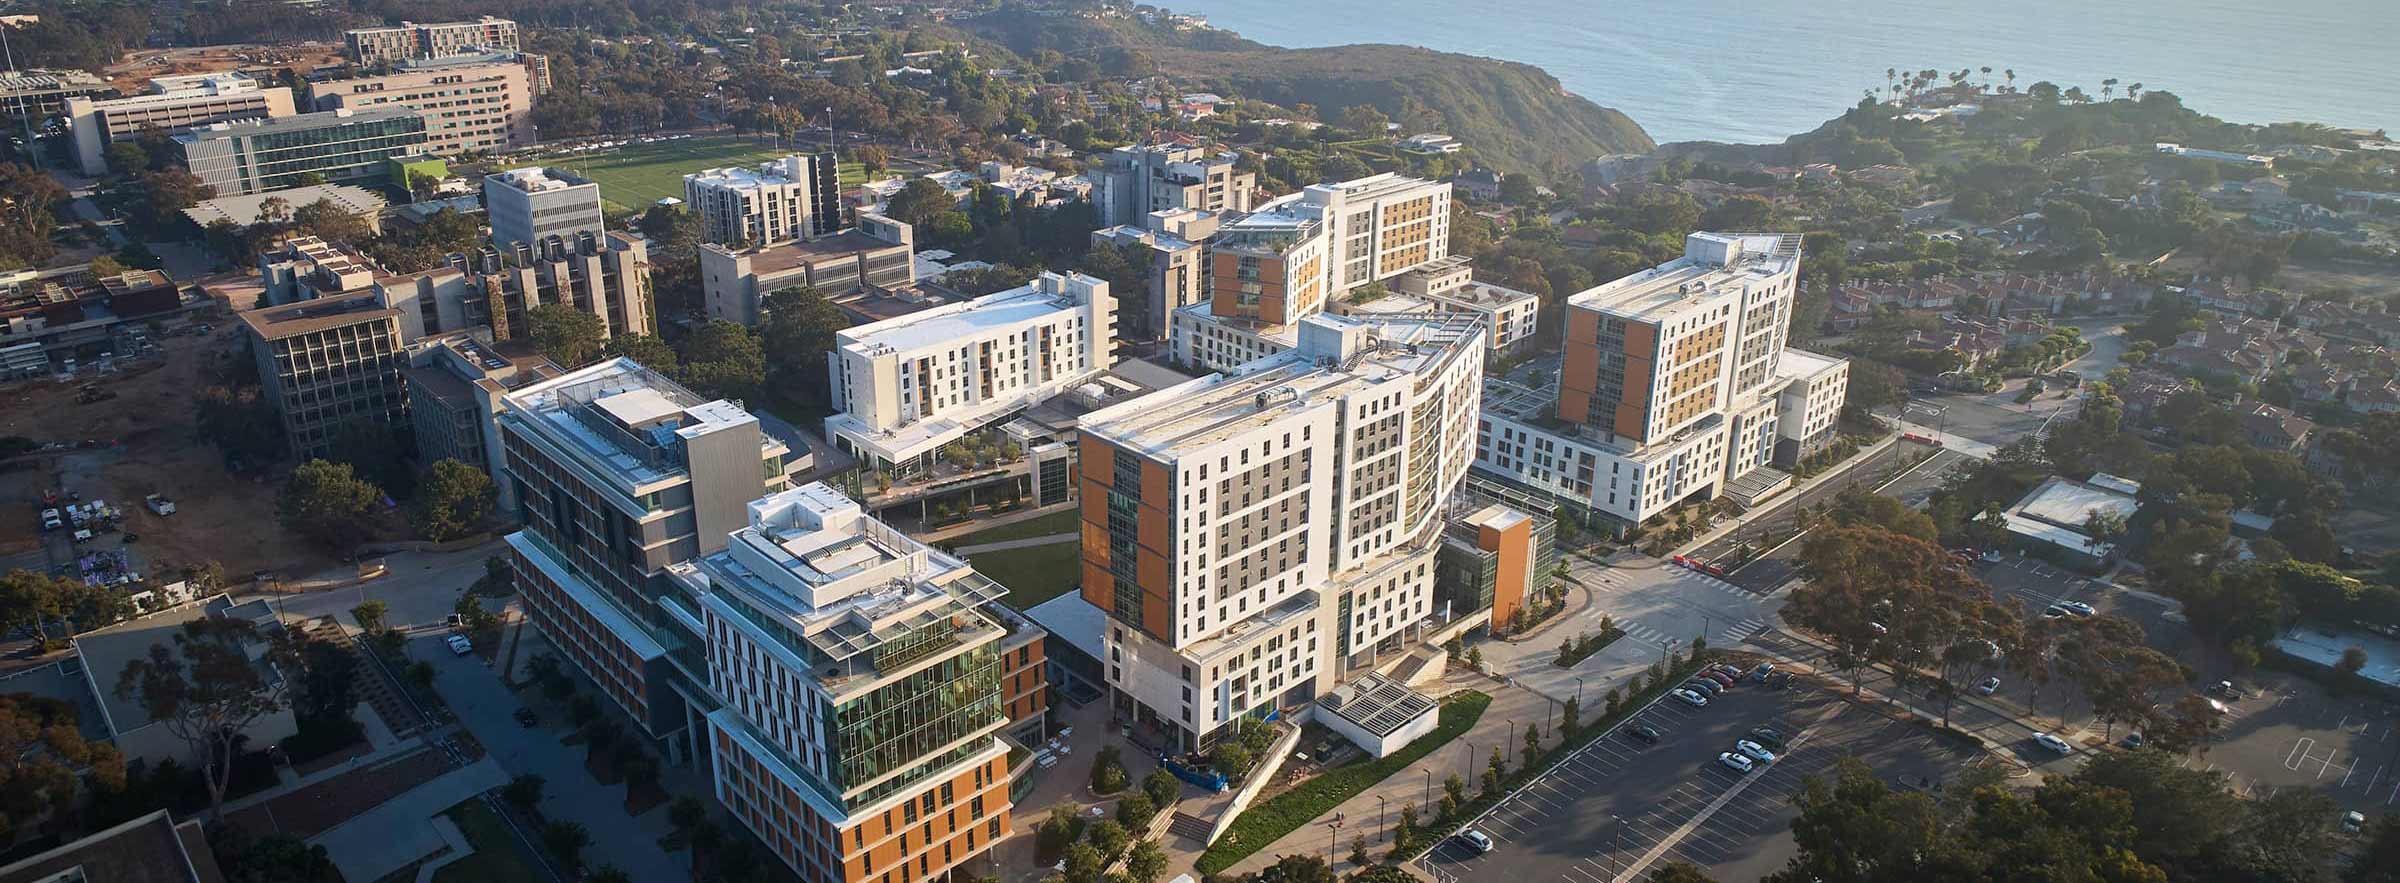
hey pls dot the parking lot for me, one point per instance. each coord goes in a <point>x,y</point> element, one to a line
<point>1619,807</point>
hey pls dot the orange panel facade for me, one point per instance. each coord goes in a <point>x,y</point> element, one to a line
<point>1641,359</point>
<point>1580,373</point>
<point>1514,546</point>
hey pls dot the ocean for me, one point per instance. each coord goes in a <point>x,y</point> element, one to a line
<point>1756,71</point>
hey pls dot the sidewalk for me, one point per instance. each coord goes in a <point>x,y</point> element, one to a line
<point>1799,488</point>
<point>1026,543</point>
<point>389,837</point>
<point>1373,814</point>
<point>973,525</point>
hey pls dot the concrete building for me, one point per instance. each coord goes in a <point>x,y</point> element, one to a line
<point>909,385</point>
<point>864,680</point>
<point>1136,180</point>
<point>534,203</point>
<point>796,197</point>
<point>1671,388</point>
<point>606,276</point>
<point>472,104</point>
<point>151,848</point>
<point>105,652</point>
<point>52,318</point>
<point>877,256</point>
<point>305,268</point>
<point>2052,518</point>
<point>172,105</point>
<point>455,384</point>
<point>409,40</point>
<point>329,366</point>
<point>341,146</point>
<point>245,208</point>
<point>1295,255</point>
<point>1256,537</point>
<point>1494,558</point>
<point>31,98</point>
<point>618,473</point>
<point>1171,243</point>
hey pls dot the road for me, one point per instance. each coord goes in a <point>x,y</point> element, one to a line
<point>1886,470</point>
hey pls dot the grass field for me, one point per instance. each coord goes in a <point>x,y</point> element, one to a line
<point>636,175</point>
<point>1033,575</point>
<point>497,855</point>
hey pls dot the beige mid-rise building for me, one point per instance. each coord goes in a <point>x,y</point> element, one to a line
<point>438,40</point>
<point>173,104</point>
<point>471,103</point>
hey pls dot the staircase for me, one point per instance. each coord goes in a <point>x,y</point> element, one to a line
<point>1191,826</point>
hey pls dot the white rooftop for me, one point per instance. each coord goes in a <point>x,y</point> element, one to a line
<point>537,179</point>
<point>1802,363</point>
<point>957,323</point>
<point>1713,265</point>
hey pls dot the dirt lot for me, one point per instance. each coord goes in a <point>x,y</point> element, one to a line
<point>131,74</point>
<point>229,518</point>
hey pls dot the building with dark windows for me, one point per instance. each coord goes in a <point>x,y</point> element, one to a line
<point>329,366</point>
<point>339,147</point>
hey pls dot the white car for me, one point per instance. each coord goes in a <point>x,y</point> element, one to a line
<point>2053,743</point>
<point>1736,762</point>
<point>1690,698</point>
<point>51,521</point>
<point>1754,751</point>
<point>460,645</point>
<point>1476,840</point>
<point>1988,686</point>
<point>2078,608</point>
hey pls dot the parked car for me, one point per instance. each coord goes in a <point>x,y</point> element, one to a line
<point>51,521</point>
<point>2353,822</point>
<point>460,645</point>
<point>1779,680</point>
<point>2078,608</point>
<point>1760,673</point>
<point>1731,671</point>
<point>1643,733</point>
<point>2226,689</point>
<point>1476,840</point>
<point>1767,736</point>
<point>1690,698</point>
<point>1718,677</point>
<point>1754,751</point>
<point>2053,743</point>
<point>1988,686</point>
<point>2131,740</point>
<point>1704,686</point>
<point>1736,762</point>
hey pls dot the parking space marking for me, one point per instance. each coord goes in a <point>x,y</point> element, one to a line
<point>2352,771</point>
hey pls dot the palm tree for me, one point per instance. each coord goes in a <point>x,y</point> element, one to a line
<point>1891,77</point>
<point>1987,78</point>
<point>2133,92</point>
<point>2108,88</point>
<point>2011,74</point>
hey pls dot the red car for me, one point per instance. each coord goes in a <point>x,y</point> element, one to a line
<point>1718,677</point>
<point>1921,438</point>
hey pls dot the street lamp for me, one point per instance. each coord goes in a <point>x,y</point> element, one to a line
<point>1616,850</point>
<point>1334,824</point>
<point>1579,692</point>
<point>1512,735</point>
<point>1386,834</point>
<point>1428,800</point>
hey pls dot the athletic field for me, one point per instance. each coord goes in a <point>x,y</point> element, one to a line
<point>634,176</point>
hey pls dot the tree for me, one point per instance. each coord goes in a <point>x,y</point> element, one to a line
<point>571,337</point>
<point>370,615</point>
<point>723,360</point>
<point>41,754</point>
<point>1518,189</point>
<point>2379,860</point>
<point>1135,810</point>
<point>327,502</point>
<point>1364,120</point>
<point>1298,869</point>
<point>331,222</point>
<point>1084,863</point>
<point>872,157</point>
<point>327,686</point>
<point>566,840</point>
<point>1533,746</point>
<point>1146,863</point>
<point>650,352</point>
<point>607,874</point>
<point>1681,872</point>
<point>274,858</point>
<point>797,332</point>
<point>1740,214</point>
<point>2353,660</point>
<point>524,791</point>
<point>1163,788</point>
<point>919,202</point>
<point>453,498</point>
<point>167,192</point>
<point>206,691</point>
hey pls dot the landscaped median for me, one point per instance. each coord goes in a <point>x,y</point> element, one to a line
<point>1440,828</point>
<point>1267,822</point>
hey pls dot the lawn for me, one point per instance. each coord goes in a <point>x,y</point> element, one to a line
<point>1053,524</point>
<point>497,856</point>
<point>1033,575</point>
<point>634,176</point>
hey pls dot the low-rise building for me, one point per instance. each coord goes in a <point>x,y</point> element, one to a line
<point>534,203</point>
<point>246,209</point>
<point>1495,558</point>
<point>2056,516</point>
<point>1810,405</point>
<point>50,318</point>
<point>909,385</point>
<point>1432,144</point>
<point>340,147</point>
<point>104,653</point>
<point>151,848</point>
<point>30,99</point>
<point>172,104</point>
<point>878,255</point>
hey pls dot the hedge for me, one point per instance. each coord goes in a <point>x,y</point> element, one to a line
<point>1267,822</point>
<point>1435,831</point>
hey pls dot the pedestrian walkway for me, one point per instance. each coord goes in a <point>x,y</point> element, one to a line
<point>1024,543</point>
<point>1799,487</point>
<point>1373,814</point>
<point>974,525</point>
<point>401,831</point>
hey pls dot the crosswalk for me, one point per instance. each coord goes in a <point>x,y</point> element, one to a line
<point>1727,636</point>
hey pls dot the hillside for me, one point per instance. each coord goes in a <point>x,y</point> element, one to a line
<point>1516,116</point>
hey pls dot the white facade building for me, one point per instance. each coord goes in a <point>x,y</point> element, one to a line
<point>1257,536</point>
<point>1672,386</point>
<point>796,197</point>
<point>909,385</point>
